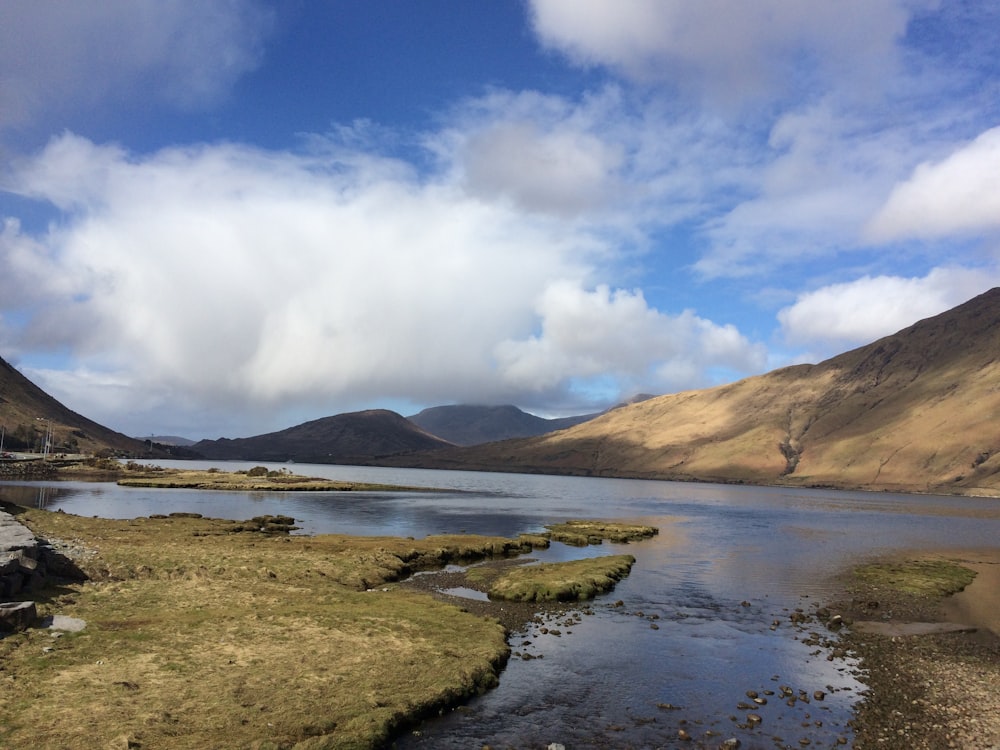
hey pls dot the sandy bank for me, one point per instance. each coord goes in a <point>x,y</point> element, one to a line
<point>979,603</point>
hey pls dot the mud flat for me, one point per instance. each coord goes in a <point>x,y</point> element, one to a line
<point>927,630</point>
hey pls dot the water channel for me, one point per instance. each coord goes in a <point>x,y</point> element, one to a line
<point>702,619</point>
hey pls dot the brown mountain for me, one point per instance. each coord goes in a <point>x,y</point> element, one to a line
<point>27,413</point>
<point>466,424</point>
<point>918,411</point>
<point>358,437</point>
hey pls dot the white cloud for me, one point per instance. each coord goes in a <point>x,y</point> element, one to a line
<point>841,316</point>
<point>818,179</point>
<point>729,50</point>
<point>957,195</point>
<point>221,277</point>
<point>562,171</point>
<point>600,333</point>
<point>59,57</point>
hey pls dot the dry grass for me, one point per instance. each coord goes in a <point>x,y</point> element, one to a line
<point>258,479</point>
<point>198,637</point>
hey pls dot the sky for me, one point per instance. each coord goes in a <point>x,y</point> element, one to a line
<point>222,219</point>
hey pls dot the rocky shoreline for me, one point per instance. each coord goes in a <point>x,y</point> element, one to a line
<point>926,691</point>
<point>931,690</point>
<point>932,687</point>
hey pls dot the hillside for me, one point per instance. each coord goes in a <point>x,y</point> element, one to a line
<point>916,411</point>
<point>344,438</point>
<point>464,424</point>
<point>27,412</point>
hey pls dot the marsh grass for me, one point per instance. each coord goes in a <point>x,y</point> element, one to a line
<point>582,533</point>
<point>199,637</point>
<point>925,578</point>
<point>575,580</point>
<point>242,481</point>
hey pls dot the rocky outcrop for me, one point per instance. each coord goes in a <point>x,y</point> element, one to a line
<point>26,564</point>
<point>19,556</point>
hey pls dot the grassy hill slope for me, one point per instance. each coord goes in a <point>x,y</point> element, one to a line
<point>26,412</point>
<point>915,411</point>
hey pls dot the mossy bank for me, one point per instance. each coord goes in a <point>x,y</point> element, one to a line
<point>209,633</point>
<point>928,690</point>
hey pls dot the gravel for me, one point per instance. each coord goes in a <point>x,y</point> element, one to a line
<point>925,692</point>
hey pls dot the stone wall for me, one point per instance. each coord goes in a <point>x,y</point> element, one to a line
<point>26,470</point>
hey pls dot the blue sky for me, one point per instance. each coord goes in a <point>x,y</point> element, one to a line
<point>221,219</point>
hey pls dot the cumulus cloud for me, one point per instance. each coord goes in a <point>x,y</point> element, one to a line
<point>599,333</point>
<point>59,57</point>
<point>858,312</point>
<point>957,195</point>
<point>223,276</point>
<point>729,50</point>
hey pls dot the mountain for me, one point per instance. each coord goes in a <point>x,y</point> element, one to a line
<point>358,437</point>
<point>470,425</point>
<point>916,411</point>
<point>27,413</point>
<point>174,440</point>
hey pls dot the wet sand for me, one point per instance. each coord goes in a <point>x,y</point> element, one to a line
<point>979,603</point>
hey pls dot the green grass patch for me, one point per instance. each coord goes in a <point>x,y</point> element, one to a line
<point>576,580</point>
<point>930,578</point>
<point>582,533</point>
<point>199,637</point>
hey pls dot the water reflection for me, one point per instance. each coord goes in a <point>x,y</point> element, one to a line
<point>676,645</point>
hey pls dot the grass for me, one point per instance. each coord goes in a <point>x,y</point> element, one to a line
<point>576,580</point>
<point>582,533</point>
<point>201,636</point>
<point>257,479</point>
<point>925,578</point>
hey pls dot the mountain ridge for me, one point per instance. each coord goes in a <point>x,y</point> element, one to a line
<point>354,437</point>
<point>472,424</point>
<point>914,412</point>
<point>27,413</point>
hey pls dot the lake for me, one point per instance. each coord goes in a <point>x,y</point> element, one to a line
<point>702,619</point>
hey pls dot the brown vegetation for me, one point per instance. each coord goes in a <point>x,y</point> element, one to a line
<point>913,412</point>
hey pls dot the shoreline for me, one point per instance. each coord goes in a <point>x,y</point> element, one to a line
<point>924,692</point>
<point>928,690</point>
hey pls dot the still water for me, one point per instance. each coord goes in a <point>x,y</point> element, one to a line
<point>702,619</point>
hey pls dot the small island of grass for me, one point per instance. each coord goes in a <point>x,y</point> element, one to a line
<point>576,580</point>
<point>582,533</point>
<point>257,479</point>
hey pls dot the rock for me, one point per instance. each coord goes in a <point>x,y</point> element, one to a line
<point>731,744</point>
<point>17,615</point>
<point>19,563</point>
<point>124,742</point>
<point>63,623</point>
<point>555,746</point>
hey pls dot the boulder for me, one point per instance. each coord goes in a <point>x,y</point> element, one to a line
<point>17,615</point>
